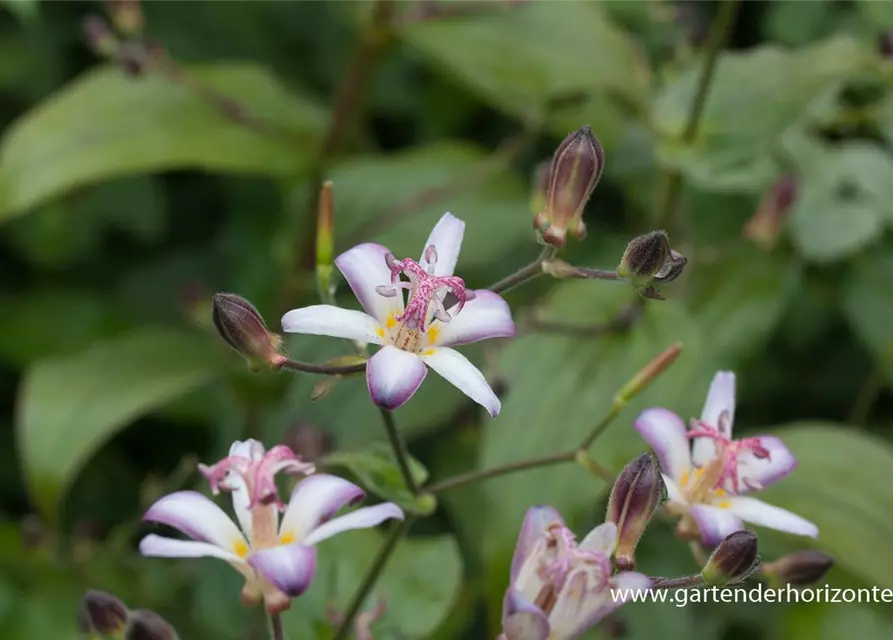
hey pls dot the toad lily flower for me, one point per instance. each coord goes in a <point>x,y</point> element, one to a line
<point>278,559</point>
<point>708,481</point>
<point>420,332</point>
<point>559,588</point>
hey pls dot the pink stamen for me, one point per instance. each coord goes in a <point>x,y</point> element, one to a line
<point>729,450</point>
<point>424,289</point>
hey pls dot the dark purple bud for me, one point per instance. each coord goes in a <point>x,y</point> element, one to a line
<point>242,327</point>
<point>733,561</point>
<point>538,193</point>
<point>634,498</point>
<point>148,625</point>
<point>102,613</point>
<point>765,225</point>
<point>800,568</point>
<point>649,259</point>
<point>575,171</point>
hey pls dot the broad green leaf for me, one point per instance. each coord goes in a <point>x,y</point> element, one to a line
<point>840,485</point>
<point>377,470</point>
<point>868,303</point>
<point>755,96</point>
<point>521,60</point>
<point>69,406</point>
<point>878,14</point>
<point>419,585</point>
<point>844,200</point>
<point>105,124</point>
<point>839,620</point>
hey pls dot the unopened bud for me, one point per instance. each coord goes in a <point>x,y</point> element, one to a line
<point>575,170</point>
<point>102,613</point>
<point>800,568</point>
<point>885,43</point>
<point>127,16</point>
<point>538,191</point>
<point>242,327</point>
<point>736,558</point>
<point>99,36</point>
<point>649,259</point>
<point>634,498</point>
<point>650,372</point>
<point>148,625</point>
<point>764,226</point>
<point>325,242</point>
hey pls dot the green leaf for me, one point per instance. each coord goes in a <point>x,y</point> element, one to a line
<point>845,198</point>
<point>823,622</point>
<point>840,485</point>
<point>520,60</point>
<point>68,407</point>
<point>105,124</point>
<point>868,304</point>
<point>377,470</point>
<point>878,14</point>
<point>419,585</point>
<point>739,128</point>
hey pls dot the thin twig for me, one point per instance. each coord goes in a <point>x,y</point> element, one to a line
<point>681,582</point>
<point>511,467</point>
<point>397,532</point>
<point>719,33</point>
<point>276,631</point>
<point>323,369</point>
<point>525,273</point>
<point>400,450</point>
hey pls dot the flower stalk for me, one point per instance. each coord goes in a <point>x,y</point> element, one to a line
<point>276,631</point>
<point>400,450</point>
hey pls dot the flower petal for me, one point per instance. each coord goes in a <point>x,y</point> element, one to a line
<point>766,471</point>
<point>161,547</point>
<point>601,539</point>
<point>573,615</point>
<point>289,567</point>
<point>393,376</point>
<point>364,518</point>
<point>720,398</point>
<point>251,450</point>
<point>628,582</point>
<point>536,521</point>
<point>767,515</point>
<point>665,432</point>
<point>197,517</point>
<point>364,268</point>
<point>316,499</point>
<point>485,316</point>
<point>446,236</point>
<point>715,523</point>
<point>459,371</point>
<point>674,491</point>
<point>521,619</point>
<point>326,320</point>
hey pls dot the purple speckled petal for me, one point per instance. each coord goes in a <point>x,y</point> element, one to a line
<point>393,376</point>
<point>289,567</point>
<point>766,471</point>
<point>485,316</point>
<point>314,500</point>
<point>364,268</point>
<point>665,432</point>
<point>521,619</point>
<point>715,523</point>
<point>197,517</point>
<point>536,521</point>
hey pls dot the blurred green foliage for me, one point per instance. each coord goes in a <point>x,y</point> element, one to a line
<point>127,200</point>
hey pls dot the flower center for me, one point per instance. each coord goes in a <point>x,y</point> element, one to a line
<point>427,301</point>
<point>725,470</point>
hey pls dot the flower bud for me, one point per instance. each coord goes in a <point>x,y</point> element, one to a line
<point>885,43</point>
<point>736,558</point>
<point>102,613</point>
<point>800,568</point>
<point>538,197</point>
<point>99,36</point>
<point>764,226</point>
<point>148,625</point>
<point>634,498</point>
<point>242,327</point>
<point>575,170</point>
<point>325,242</point>
<point>649,259</point>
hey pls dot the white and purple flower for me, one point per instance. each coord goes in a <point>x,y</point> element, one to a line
<point>278,559</point>
<point>559,588</point>
<point>708,481</point>
<point>440,313</point>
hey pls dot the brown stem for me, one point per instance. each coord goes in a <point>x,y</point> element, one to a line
<point>276,631</point>
<point>494,472</point>
<point>524,274</point>
<point>677,583</point>
<point>400,450</point>
<point>323,369</point>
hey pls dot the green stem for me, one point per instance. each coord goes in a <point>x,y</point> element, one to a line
<point>323,369</point>
<point>616,407</point>
<point>719,33</point>
<point>371,577</point>
<point>677,583</point>
<point>524,274</point>
<point>511,467</point>
<point>276,632</point>
<point>400,450</point>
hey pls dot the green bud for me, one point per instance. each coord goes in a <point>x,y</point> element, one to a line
<point>575,171</point>
<point>538,191</point>
<point>800,568</point>
<point>102,613</point>
<point>634,498</point>
<point>325,243</point>
<point>148,625</point>
<point>242,327</point>
<point>733,561</point>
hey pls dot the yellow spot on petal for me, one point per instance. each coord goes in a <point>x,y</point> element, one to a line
<point>433,332</point>
<point>719,493</point>
<point>428,352</point>
<point>685,478</point>
<point>391,322</point>
<point>287,537</point>
<point>380,332</point>
<point>240,549</point>
<point>725,504</point>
